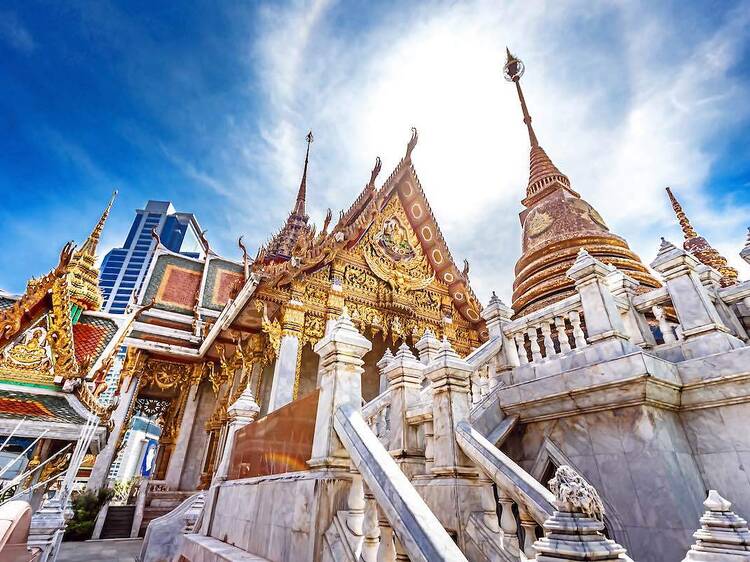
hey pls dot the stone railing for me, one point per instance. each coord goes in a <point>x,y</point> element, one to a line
<point>547,333</point>
<point>377,413</point>
<point>407,530</point>
<point>517,490</point>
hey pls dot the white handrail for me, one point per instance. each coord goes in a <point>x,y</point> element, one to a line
<point>420,533</point>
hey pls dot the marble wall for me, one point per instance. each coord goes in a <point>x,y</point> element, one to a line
<point>640,460</point>
<point>720,440</point>
<point>281,517</point>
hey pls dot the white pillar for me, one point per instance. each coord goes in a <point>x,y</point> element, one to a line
<point>450,404</point>
<point>179,453</point>
<point>340,374</point>
<point>603,321</point>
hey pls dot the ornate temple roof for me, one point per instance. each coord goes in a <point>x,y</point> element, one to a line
<point>700,248</point>
<point>556,224</point>
<point>83,275</point>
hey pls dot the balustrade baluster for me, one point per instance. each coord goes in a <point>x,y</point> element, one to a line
<point>529,535</point>
<point>489,506</point>
<point>536,351</point>
<point>429,455</point>
<point>562,334</point>
<point>578,336</point>
<point>401,555</point>
<point>523,358</point>
<point>356,515</point>
<point>549,345</point>
<point>386,550</point>
<point>372,531</point>
<point>664,326</point>
<point>508,523</point>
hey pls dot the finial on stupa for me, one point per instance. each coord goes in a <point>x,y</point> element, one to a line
<point>299,207</point>
<point>700,248</point>
<point>513,70</point>
<point>687,228</point>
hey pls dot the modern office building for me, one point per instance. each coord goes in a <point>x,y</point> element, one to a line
<point>123,269</point>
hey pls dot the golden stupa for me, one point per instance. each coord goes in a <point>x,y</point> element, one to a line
<point>556,224</point>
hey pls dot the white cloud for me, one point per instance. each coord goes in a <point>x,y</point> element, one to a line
<point>624,112</point>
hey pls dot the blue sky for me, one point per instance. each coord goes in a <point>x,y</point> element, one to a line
<point>207,104</point>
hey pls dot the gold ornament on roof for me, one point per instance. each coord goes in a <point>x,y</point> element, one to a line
<point>394,253</point>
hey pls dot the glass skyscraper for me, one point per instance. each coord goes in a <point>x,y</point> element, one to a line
<point>123,269</point>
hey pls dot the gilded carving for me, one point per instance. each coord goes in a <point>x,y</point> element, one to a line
<point>394,252</point>
<point>538,222</point>
<point>166,375</point>
<point>314,330</point>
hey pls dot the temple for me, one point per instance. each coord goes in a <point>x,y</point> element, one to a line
<point>342,396</point>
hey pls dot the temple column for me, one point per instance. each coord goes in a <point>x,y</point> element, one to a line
<point>177,458</point>
<point>341,352</point>
<point>286,370</point>
<point>604,324</point>
<point>450,376</point>
<point>404,374</point>
<point>120,418</point>
<point>702,328</point>
<point>496,314</point>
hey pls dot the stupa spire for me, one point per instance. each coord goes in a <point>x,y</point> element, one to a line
<point>83,275</point>
<point>299,207</point>
<point>700,248</point>
<point>687,228</point>
<point>544,176</point>
<point>91,243</point>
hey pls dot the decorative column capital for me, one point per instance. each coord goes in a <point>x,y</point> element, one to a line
<point>448,371</point>
<point>343,343</point>
<point>672,261</point>
<point>245,408</point>
<point>404,370</point>
<point>587,268</point>
<point>293,319</point>
<point>495,314</point>
<point>427,346</point>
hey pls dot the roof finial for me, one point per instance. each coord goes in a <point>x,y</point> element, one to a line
<point>687,228</point>
<point>412,142</point>
<point>299,207</point>
<point>513,70</point>
<point>89,246</point>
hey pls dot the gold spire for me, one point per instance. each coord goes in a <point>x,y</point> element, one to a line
<point>700,248</point>
<point>83,275</point>
<point>299,207</point>
<point>543,173</point>
<point>687,228</point>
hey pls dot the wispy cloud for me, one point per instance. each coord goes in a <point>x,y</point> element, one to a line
<point>15,34</point>
<point>625,112</point>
